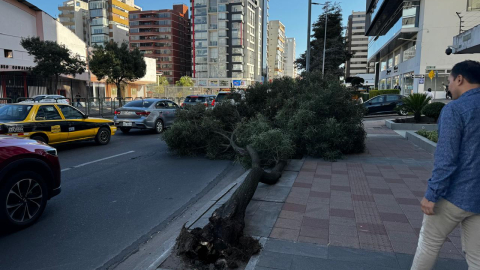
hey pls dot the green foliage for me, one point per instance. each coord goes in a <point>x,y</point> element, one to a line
<point>185,81</point>
<point>356,81</point>
<point>431,135</point>
<point>336,47</point>
<point>118,64</point>
<point>374,93</point>
<point>415,104</point>
<point>280,119</point>
<point>433,110</point>
<point>52,59</point>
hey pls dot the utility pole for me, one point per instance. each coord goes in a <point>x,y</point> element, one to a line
<point>308,35</point>
<point>325,38</point>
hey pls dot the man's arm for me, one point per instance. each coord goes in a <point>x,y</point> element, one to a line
<point>446,156</point>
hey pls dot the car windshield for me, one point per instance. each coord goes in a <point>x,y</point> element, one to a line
<point>195,99</point>
<point>221,97</point>
<point>140,103</point>
<point>14,112</point>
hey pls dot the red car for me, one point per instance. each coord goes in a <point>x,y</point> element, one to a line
<point>29,177</point>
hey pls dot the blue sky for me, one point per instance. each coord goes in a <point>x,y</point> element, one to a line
<point>292,13</point>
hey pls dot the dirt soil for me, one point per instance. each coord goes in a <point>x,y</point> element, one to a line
<point>425,120</point>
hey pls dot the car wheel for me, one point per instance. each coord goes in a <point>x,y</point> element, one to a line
<point>403,113</point>
<point>23,199</point>
<point>125,130</point>
<point>103,136</point>
<point>39,138</point>
<point>159,126</point>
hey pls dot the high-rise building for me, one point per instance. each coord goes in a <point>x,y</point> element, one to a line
<point>357,44</point>
<point>74,15</point>
<point>290,54</point>
<point>265,18</point>
<point>227,42</point>
<point>276,49</point>
<point>109,20</point>
<point>408,40</point>
<point>166,36</point>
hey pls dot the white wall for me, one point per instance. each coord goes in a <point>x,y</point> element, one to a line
<point>151,73</point>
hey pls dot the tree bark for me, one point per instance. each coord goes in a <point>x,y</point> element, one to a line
<point>223,238</point>
<point>55,85</point>
<point>119,94</point>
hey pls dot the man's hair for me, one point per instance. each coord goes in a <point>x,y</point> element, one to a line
<point>469,69</point>
<point>429,89</point>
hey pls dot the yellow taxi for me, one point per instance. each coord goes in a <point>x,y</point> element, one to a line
<point>53,123</point>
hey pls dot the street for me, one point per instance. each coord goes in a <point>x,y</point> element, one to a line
<point>113,197</point>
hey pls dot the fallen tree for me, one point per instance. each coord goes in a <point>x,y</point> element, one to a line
<point>275,121</point>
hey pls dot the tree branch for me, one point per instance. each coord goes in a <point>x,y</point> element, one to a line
<point>271,178</point>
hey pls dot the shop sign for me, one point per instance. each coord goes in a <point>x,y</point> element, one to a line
<point>421,81</point>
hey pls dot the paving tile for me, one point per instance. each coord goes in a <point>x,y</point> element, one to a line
<point>408,201</point>
<point>371,228</point>
<point>414,214</point>
<point>336,229</point>
<point>291,215</point>
<point>297,200</point>
<point>275,260</point>
<point>340,188</point>
<point>380,190</point>
<point>308,263</point>
<point>285,234</point>
<point>373,174</point>
<point>344,241</point>
<point>318,200</point>
<point>259,230</point>
<point>372,219</point>
<point>341,205</point>
<point>314,232</point>
<point>313,240</point>
<point>288,223</point>
<point>407,175</point>
<point>402,236</point>
<point>449,264</point>
<point>320,214</point>
<point>404,260</point>
<point>393,180</point>
<point>294,207</point>
<point>302,249</point>
<point>404,247</point>
<point>319,194</point>
<point>397,227</point>
<point>393,217</point>
<point>342,221</point>
<point>363,198</point>
<point>380,260</point>
<point>323,176</point>
<point>339,172</point>
<point>418,193</point>
<point>315,222</point>
<point>342,213</point>
<point>302,185</point>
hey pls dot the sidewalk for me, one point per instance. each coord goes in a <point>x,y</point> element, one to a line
<point>359,213</point>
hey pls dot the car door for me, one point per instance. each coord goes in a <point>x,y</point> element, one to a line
<point>161,109</point>
<point>172,110</point>
<point>49,121</point>
<point>391,103</point>
<point>375,104</point>
<point>78,126</point>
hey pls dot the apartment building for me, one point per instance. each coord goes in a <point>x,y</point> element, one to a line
<point>166,36</point>
<point>109,20</point>
<point>357,45</point>
<point>408,40</point>
<point>276,50</point>
<point>74,15</point>
<point>227,42</point>
<point>290,57</point>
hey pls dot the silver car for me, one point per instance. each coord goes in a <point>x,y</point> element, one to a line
<point>152,114</point>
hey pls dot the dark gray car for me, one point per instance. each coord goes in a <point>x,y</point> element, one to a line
<point>152,114</point>
<point>207,100</point>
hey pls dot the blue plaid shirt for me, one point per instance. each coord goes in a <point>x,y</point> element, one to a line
<point>456,173</point>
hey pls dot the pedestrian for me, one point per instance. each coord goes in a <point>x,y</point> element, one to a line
<point>429,94</point>
<point>453,192</point>
<point>78,100</point>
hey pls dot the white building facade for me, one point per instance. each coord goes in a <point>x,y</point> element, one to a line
<point>227,43</point>
<point>74,15</point>
<point>290,57</point>
<point>357,45</point>
<point>276,50</point>
<point>408,40</point>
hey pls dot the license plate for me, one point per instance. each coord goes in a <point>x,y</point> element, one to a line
<point>127,113</point>
<point>127,124</point>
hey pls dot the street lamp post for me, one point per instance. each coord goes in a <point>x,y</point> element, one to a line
<point>310,3</point>
<point>325,42</point>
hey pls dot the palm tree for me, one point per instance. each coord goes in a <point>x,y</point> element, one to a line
<point>415,104</point>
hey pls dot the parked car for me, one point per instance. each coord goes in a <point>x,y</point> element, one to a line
<point>47,99</point>
<point>207,100</point>
<point>29,177</point>
<point>151,114</point>
<point>384,104</point>
<point>53,123</point>
<point>224,95</point>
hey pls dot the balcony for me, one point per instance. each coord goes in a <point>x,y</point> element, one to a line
<point>213,43</point>
<point>212,10</point>
<point>213,27</point>
<point>382,16</point>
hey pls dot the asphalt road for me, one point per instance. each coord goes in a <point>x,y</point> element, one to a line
<point>112,197</point>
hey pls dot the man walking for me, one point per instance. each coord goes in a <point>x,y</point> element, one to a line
<point>453,193</point>
<point>429,94</point>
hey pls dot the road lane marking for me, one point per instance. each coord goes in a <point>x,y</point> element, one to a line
<point>98,160</point>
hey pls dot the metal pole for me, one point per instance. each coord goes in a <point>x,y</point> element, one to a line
<point>308,34</point>
<point>325,40</point>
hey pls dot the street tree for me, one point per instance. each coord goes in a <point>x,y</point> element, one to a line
<point>336,52</point>
<point>355,81</point>
<point>52,59</point>
<point>159,88</point>
<point>117,64</point>
<point>185,81</point>
<point>273,122</point>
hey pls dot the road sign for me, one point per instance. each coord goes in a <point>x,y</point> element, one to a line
<point>431,75</point>
<point>431,67</point>
<point>421,81</point>
<point>418,76</point>
<point>237,82</point>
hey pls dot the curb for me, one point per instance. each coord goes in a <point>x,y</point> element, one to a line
<point>421,142</point>
<point>409,126</point>
<point>220,198</point>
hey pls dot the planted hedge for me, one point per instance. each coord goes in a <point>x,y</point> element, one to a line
<point>374,93</point>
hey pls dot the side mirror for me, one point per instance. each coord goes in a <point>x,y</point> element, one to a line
<point>85,116</point>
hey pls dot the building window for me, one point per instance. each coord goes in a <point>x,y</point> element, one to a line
<point>473,5</point>
<point>8,53</point>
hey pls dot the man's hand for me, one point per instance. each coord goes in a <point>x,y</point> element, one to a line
<point>427,207</point>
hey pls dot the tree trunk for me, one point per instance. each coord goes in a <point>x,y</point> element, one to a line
<point>222,239</point>
<point>55,86</point>
<point>119,94</point>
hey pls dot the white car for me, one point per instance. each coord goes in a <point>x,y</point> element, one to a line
<point>47,99</point>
